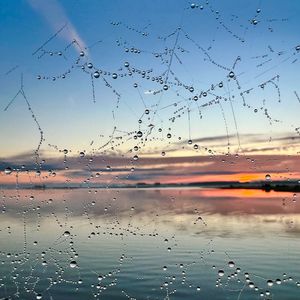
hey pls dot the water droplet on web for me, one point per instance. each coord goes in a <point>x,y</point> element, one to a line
<point>268,177</point>
<point>96,74</point>
<point>221,273</point>
<point>231,264</point>
<point>81,154</point>
<point>7,170</point>
<point>114,76</point>
<point>270,282</point>
<point>73,264</point>
<point>67,233</point>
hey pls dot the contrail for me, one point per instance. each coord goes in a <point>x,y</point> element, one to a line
<point>56,17</point>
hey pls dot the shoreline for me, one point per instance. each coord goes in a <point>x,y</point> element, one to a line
<point>277,186</point>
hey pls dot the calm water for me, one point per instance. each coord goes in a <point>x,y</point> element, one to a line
<point>149,244</point>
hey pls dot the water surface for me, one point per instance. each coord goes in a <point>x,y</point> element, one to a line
<point>149,244</point>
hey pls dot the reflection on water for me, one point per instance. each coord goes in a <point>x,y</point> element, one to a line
<point>149,244</point>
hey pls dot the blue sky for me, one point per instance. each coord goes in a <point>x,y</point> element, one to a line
<point>65,108</point>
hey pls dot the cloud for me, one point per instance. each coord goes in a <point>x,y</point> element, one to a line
<point>56,17</point>
<point>210,139</point>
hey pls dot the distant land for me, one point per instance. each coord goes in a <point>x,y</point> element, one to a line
<point>277,186</point>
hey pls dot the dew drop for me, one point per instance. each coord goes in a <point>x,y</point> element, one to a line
<point>8,170</point>
<point>231,264</point>
<point>268,177</point>
<point>231,74</point>
<point>73,264</point>
<point>96,74</point>
<point>270,282</point>
<point>67,233</point>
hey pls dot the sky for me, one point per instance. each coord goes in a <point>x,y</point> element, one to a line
<point>199,80</point>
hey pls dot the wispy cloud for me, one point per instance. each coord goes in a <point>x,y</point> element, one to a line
<point>55,16</point>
